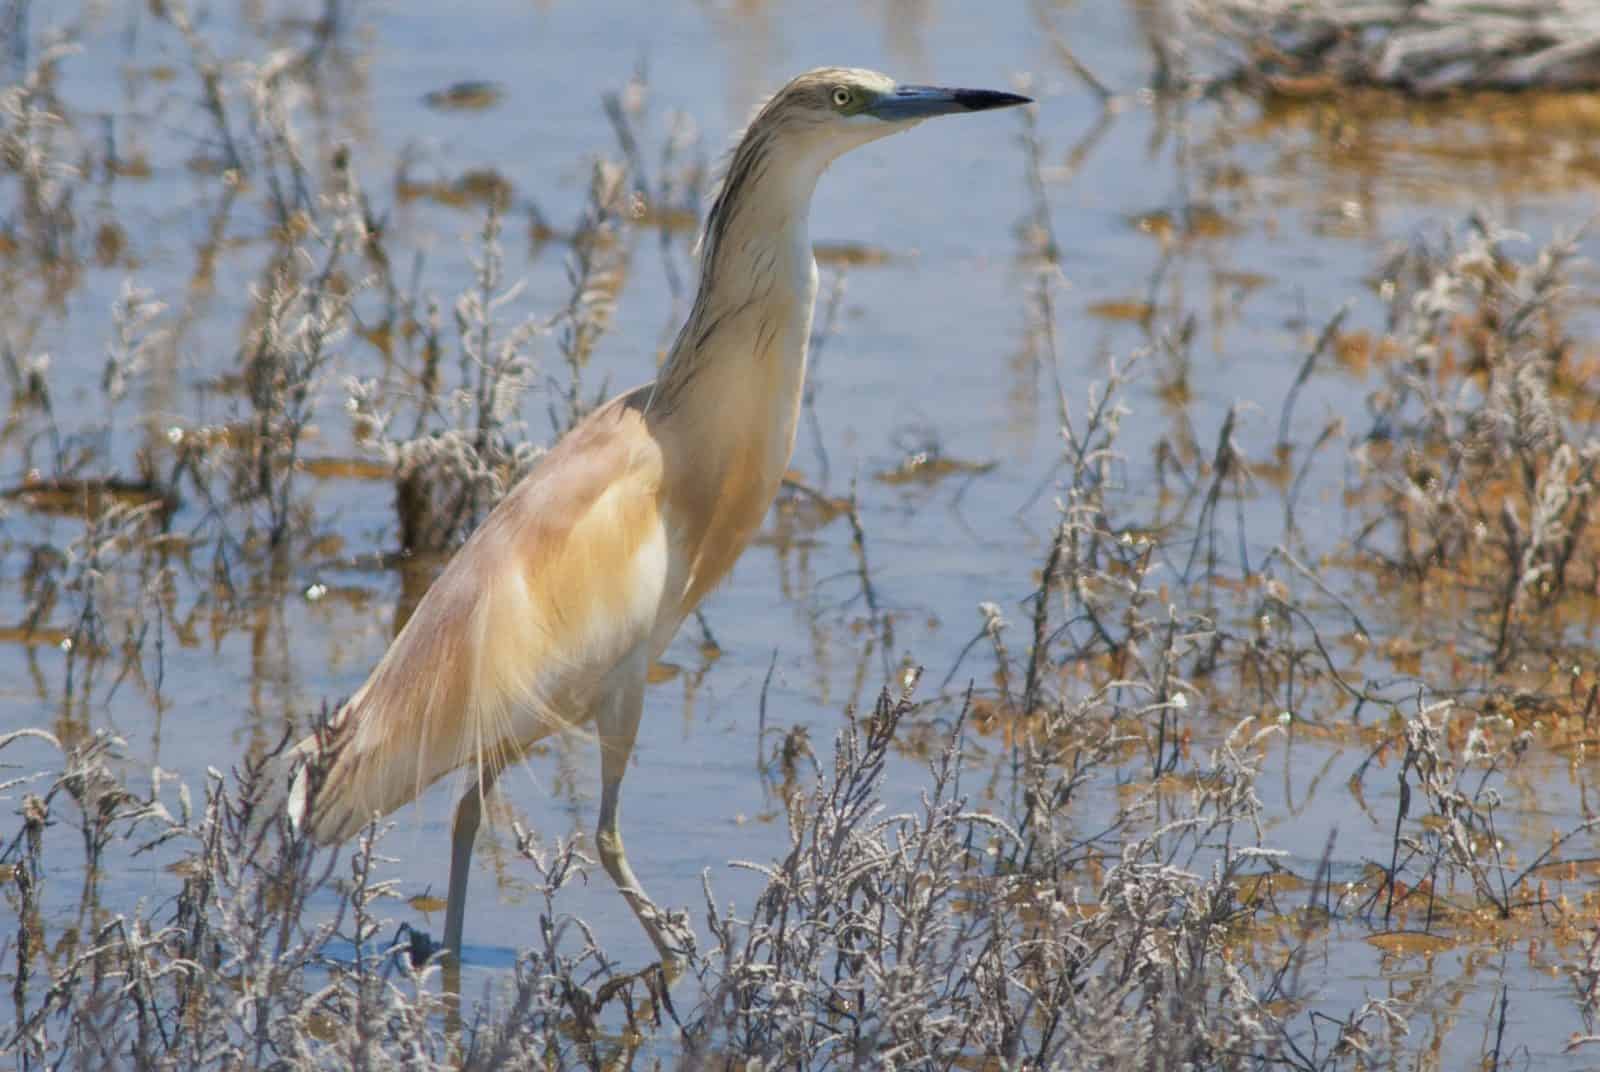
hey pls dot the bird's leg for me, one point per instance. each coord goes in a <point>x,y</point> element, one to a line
<point>469,812</point>
<point>618,724</point>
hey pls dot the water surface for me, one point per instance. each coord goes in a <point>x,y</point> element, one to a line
<point>1258,221</point>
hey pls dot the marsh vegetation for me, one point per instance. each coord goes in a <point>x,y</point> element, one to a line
<point>1173,646</point>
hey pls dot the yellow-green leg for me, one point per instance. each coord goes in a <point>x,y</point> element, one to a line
<point>618,724</point>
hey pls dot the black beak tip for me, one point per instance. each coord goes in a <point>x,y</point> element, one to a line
<point>982,100</point>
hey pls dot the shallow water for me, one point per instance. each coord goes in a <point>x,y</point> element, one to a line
<point>1271,218</point>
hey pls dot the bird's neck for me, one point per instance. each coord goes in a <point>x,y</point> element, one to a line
<point>728,399</point>
<point>752,313</point>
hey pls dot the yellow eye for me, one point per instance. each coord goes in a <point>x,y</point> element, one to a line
<point>841,97</point>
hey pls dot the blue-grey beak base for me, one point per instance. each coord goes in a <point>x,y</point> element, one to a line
<point>922,102</point>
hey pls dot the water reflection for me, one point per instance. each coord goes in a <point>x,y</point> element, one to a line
<point>976,290</point>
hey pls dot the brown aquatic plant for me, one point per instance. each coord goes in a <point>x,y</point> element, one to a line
<point>1420,47</point>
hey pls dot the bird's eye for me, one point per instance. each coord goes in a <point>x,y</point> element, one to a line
<point>841,97</point>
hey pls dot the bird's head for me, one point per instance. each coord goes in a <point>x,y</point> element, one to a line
<point>834,109</point>
<point>808,123</point>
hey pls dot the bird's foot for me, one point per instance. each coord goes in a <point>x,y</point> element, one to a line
<point>670,966</point>
<point>669,932</point>
<point>418,946</point>
<point>676,944</point>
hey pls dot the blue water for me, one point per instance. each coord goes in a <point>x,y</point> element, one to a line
<point>935,337</point>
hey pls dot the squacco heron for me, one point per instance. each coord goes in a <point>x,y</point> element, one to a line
<point>551,613</point>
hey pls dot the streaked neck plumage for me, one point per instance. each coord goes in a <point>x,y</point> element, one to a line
<point>727,403</point>
<point>757,276</point>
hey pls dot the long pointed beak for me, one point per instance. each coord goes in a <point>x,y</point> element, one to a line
<point>922,102</point>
